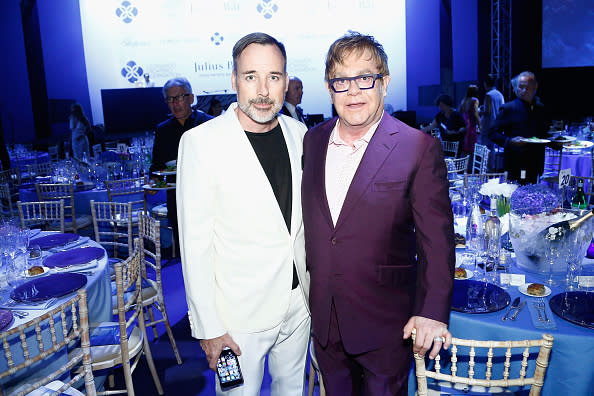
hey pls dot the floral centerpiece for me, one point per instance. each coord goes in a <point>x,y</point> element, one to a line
<point>534,208</point>
<point>501,192</point>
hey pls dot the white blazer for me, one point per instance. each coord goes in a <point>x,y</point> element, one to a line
<point>237,254</point>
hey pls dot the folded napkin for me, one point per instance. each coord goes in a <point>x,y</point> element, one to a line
<point>106,333</point>
<point>551,325</point>
<point>78,243</point>
<point>34,232</point>
<point>78,267</point>
<point>15,305</point>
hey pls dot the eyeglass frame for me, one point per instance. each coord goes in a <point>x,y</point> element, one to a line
<point>178,98</point>
<point>350,79</point>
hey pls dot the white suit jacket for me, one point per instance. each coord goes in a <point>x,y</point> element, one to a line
<point>237,254</point>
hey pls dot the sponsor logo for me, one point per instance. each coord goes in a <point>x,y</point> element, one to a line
<point>217,39</point>
<point>132,72</point>
<point>126,12</point>
<point>267,8</point>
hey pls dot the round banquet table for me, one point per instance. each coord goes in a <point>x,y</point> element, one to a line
<point>580,162</point>
<point>570,370</point>
<point>22,161</point>
<point>99,304</point>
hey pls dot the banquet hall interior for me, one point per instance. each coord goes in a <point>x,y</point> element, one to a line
<point>97,54</point>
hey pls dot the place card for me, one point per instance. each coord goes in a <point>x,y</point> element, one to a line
<point>513,279</point>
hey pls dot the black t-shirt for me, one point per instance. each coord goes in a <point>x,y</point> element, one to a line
<point>453,123</point>
<point>271,149</point>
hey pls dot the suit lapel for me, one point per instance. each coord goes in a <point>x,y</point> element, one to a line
<point>294,147</point>
<point>381,145</point>
<point>319,151</point>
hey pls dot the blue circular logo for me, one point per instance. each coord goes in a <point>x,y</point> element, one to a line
<point>217,39</point>
<point>267,8</point>
<point>132,72</point>
<point>126,12</point>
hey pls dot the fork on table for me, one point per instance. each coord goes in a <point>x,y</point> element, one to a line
<point>541,305</point>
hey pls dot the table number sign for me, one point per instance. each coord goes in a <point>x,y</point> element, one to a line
<point>564,177</point>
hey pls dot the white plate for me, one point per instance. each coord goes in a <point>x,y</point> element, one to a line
<point>171,163</point>
<point>45,271</point>
<point>170,186</point>
<point>579,144</point>
<point>566,139</point>
<point>524,290</point>
<point>469,275</point>
<point>165,172</point>
<point>535,140</point>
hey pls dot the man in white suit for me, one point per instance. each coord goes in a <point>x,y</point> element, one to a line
<point>241,231</point>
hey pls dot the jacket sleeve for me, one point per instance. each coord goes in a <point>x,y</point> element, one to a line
<point>434,230</point>
<point>196,211</point>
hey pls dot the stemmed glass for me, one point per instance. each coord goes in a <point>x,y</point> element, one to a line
<point>570,191</point>
<point>553,242</point>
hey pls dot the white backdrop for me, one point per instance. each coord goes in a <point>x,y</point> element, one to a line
<point>194,39</point>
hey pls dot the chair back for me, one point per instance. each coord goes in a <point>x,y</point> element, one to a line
<point>25,346</point>
<point>42,214</point>
<point>480,158</point>
<point>11,176</point>
<point>480,178</point>
<point>450,149</point>
<point>40,169</point>
<point>97,149</point>
<point>112,224</point>
<point>149,231</point>
<point>121,190</point>
<point>552,165</point>
<point>6,203</point>
<point>463,350</point>
<point>55,192</point>
<point>457,165</point>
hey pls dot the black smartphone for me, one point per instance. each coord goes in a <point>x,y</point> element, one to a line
<point>228,370</point>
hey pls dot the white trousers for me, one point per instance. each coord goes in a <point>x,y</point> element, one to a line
<point>286,348</point>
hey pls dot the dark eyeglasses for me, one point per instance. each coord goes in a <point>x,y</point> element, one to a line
<point>365,81</point>
<point>178,98</point>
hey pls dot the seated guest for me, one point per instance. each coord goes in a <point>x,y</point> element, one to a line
<point>450,123</point>
<point>178,95</point>
<point>292,100</point>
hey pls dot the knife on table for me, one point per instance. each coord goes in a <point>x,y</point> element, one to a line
<point>515,315</point>
<point>513,306</point>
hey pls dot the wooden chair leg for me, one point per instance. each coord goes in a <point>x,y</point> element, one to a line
<point>151,315</point>
<point>151,364</point>
<point>170,334</point>
<point>311,380</point>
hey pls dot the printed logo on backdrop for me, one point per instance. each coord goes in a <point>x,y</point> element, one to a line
<point>132,72</point>
<point>267,8</point>
<point>126,12</point>
<point>217,39</point>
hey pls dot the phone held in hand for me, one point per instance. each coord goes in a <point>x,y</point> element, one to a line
<point>228,370</point>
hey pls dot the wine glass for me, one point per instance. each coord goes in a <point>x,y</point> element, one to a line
<point>552,251</point>
<point>570,191</point>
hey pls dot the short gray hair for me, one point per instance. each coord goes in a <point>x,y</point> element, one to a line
<point>177,82</point>
<point>516,79</point>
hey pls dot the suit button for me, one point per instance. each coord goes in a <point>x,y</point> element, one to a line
<point>333,241</point>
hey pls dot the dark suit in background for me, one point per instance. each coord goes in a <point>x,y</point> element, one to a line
<point>167,137</point>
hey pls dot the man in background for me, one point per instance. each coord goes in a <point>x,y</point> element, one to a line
<point>378,231</point>
<point>242,241</point>
<point>522,118</point>
<point>293,99</point>
<point>178,95</point>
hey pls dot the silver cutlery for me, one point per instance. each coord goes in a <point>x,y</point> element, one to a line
<point>541,305</point>
<point>538,307</point>
<point>20,314</point>
<point>513,306</point>
<point>45,303</point>
<point>520,307</point>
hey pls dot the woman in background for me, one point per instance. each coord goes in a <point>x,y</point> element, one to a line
<point>79,125</point>
<point>469,108</point>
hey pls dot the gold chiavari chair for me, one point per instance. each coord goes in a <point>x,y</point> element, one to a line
<point>152,296</point>
<point>466,350</point>
<point>65,191</point>
<point>133,339</point>
<point>48,214</point>
<point>67,324</point>
<point>112,224</point>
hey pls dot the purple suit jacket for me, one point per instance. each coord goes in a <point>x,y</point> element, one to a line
<point>391,254</point>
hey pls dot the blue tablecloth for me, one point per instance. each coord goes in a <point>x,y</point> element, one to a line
<point>570,370</point>
<point>580,162</point>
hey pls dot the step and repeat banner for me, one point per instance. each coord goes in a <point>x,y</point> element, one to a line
<point>123,40</point>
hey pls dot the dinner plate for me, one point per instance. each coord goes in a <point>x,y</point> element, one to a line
<point>469,274</point>
<point>53,240</point>
<point>535,140</point>
<point>46,287</point>
<point>165,172</point>
<point>579,144</point>
<point>84,186</point>
<point>565,139</point>
<point>45,271</point>
<point>171,163</point>
<point>576,307</point>
<point>170,186</point>
<point>6,319</point>
<point>76,256</point>
<point>478,297</point>
<point>524,290</point>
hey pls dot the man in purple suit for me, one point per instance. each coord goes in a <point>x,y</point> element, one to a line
<point>378,231</point>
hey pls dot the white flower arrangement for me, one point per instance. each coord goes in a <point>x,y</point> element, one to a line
<point>494,188</point>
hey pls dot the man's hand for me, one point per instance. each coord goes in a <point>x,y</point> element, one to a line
<point>429,332</point>
<point>214,346</point>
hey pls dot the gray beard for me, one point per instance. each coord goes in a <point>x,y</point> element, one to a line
<point>258,116</point>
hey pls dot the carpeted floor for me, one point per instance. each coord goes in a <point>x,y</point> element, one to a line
<point>193,377</point>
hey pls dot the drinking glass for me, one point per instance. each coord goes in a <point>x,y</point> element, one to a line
<point>15,272</point>
<point>552,252</point>
<point>34,256</point>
